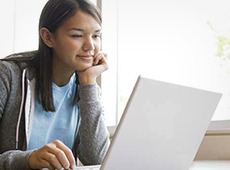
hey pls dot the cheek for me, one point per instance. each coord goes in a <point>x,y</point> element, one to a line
<point>67,44</point>
<point>70,46</point>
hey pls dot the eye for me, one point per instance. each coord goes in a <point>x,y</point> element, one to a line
<point>76,36</point>
<point>96,36</point>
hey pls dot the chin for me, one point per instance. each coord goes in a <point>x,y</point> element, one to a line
<point>83,68</point>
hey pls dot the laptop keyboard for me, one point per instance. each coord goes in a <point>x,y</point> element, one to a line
<point>94,167</point>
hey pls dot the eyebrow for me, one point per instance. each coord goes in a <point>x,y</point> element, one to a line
<point>79,29</point>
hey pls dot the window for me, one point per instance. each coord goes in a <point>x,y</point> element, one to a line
<point>185,42</point>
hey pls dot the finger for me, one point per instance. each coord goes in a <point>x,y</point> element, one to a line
<point>65,155</point>
<point>100,61</point>
<point>100,68</point>
<point>58,158</point>
<point>102,64</point>
<point>52,161</point>
<point>46,164</point>
<point>100,58</point>
<point>70,157</point>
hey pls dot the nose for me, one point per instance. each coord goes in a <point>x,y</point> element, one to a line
<point>88,44</point>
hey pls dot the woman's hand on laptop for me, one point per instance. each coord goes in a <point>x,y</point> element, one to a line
<point>54,155</point>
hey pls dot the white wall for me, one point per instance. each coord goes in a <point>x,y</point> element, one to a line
<point>19,27</point>
<point>7,27</point>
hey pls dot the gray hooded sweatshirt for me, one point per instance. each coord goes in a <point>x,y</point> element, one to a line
<point>16,112</point>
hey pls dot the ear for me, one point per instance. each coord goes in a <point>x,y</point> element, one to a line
<point>46,36</point>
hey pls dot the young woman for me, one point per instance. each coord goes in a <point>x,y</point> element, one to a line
<point>50,107</point>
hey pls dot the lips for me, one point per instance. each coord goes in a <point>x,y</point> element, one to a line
<point>86,57</point>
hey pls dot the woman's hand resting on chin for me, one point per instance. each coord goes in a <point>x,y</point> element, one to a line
<point>90,75</point>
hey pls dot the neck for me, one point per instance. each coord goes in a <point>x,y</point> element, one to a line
<point>61,78</point>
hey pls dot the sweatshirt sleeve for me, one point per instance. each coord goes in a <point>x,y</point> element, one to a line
<point>93,134</point>
<point>15,159</point>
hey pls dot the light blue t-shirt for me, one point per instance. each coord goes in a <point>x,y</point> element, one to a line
<point>61,124</point>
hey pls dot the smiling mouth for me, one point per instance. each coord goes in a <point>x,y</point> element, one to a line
<point>89,57</point>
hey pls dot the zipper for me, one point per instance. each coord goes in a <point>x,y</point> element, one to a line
<point>21,108</point>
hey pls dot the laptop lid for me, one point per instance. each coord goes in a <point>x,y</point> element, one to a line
<point>161,128</point>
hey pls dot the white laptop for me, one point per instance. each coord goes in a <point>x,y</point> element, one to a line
<point>161,128</point>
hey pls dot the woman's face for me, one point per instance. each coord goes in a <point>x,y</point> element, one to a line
<point>76,42</point>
